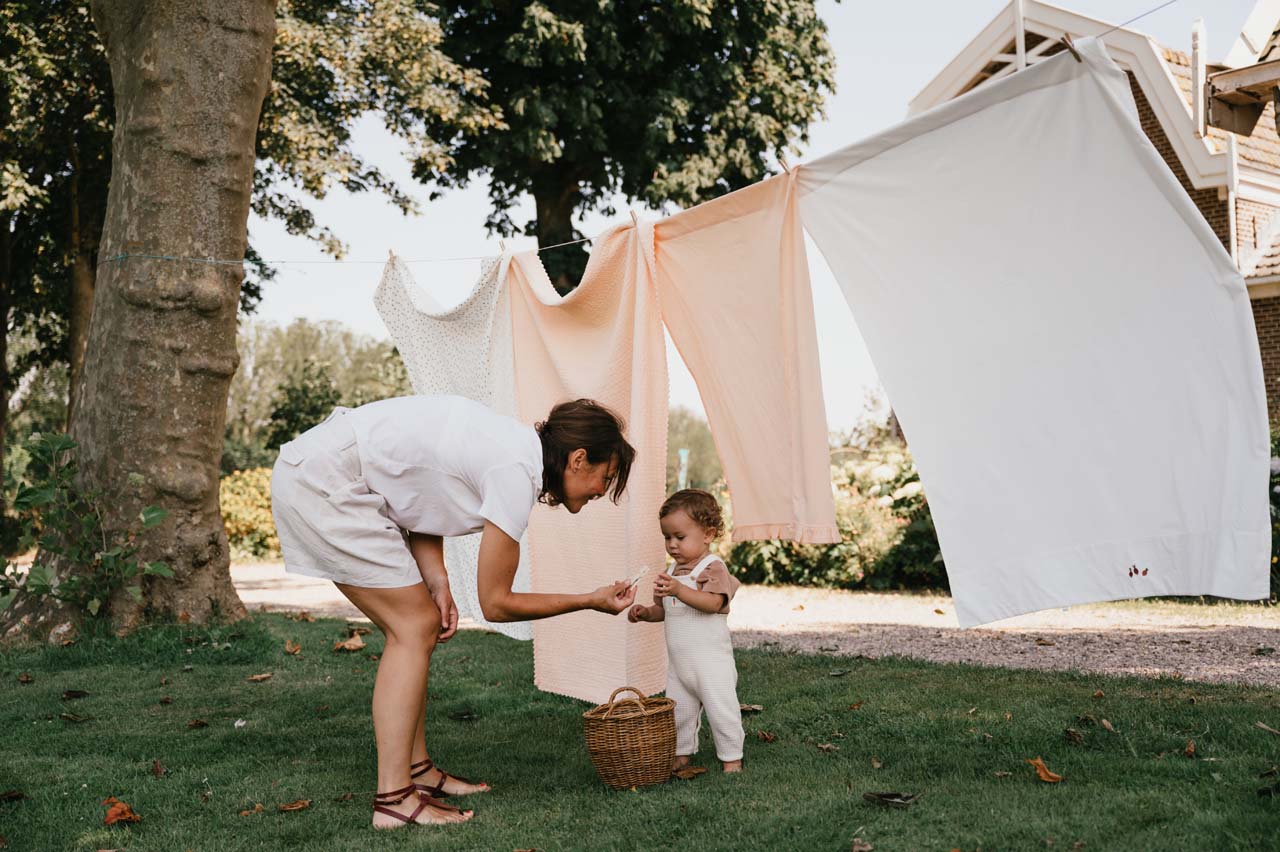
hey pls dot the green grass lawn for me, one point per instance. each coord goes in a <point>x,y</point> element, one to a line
<point>943,731</point>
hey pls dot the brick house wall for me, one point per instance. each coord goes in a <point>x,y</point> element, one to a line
<point>1253,223</point>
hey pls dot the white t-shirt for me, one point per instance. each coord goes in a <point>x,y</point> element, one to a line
<point>446,464</point>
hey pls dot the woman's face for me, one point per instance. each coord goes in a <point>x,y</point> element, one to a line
<point>584,481</point>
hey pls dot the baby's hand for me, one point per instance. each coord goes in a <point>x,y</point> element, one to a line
<point>664,584</point>
<point>639,612</point>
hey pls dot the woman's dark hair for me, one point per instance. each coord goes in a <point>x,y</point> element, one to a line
<point>700,506</point>
<point>583,424</point>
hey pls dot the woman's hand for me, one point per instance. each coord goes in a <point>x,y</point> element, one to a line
<point>443,598</point>
<point>666,585</point>
<point>613,598</point>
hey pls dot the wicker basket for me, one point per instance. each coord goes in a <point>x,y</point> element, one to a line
<point>632,742</point>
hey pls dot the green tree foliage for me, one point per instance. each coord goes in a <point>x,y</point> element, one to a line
<point>359,368</point>
<point>689,431</point>
<point>333,63</point>
<point>305,399</point>
<point>678,101</point>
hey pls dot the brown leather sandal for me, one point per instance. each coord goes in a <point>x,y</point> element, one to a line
<point>381,801</point>
<point>436,791</point>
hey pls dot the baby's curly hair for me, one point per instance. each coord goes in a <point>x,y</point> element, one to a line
<point>698,505</point>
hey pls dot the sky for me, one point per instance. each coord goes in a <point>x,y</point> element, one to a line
<point>885,53</point>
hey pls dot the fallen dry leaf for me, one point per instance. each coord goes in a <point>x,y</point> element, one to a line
<point>259,678</point>
<point>860,845</point>
<point>118,811</point>
<point>1087,719</point>
<point>1040,641</point>
<point>857,705</point>
<point>73,717</point>
<point>938,612</point>
<point>1107,725</point>
<point>157,769</point>
<point>300,805</point>
<point>837,673</point>
<point>1266,728</point>
<point>197,723</point>
<point>971,711</point>
<point>1002,774</point>
<point>798,608</point>
<point>875,763</point>
<point>1190,750</point>
<point>72,694</point>
<point>355,643</point>
<point>828,747</point>
<point>684,773</point>
<point>25,678</point>
<point>1073,736</point>
<point>1043,772</point>
<point>164,681</point>
<point>184,617</point>
<point>166,699</point>
<point>1008,717</point>
<point>358,630</point>
<point>1099,694</point>
<point>292,647</point>
<point>893,800</point>
<point>750,708</point>
<point>301,616</point>
<point>345,797</point>
<point>12,796</point>
<point>257,809</point>
<point>766,736</point>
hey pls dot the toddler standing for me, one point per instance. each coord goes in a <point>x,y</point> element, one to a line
<point>692,600</point>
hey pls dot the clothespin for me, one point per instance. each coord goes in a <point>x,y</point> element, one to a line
<point>502,244</point>
<point>782,161</point>
<point>1069,45</point>
<point>391,255</point>
<point>634,219</point>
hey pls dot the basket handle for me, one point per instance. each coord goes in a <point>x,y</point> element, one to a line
<point>612,705</point>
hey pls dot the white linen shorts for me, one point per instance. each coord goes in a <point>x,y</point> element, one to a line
<point>329,523</point>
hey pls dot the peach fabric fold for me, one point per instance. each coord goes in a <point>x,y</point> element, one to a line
<point>603,341</point>
<point>733,284</point>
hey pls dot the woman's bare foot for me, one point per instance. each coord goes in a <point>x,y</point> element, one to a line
<point>435,813</point>
<point>681,761</point>
<point>732,765</point>
<point>448,785</point>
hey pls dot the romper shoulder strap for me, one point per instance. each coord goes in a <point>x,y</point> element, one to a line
<point>702,564</point>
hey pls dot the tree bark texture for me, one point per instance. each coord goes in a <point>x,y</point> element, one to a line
<point>86,231</point>
<point>189,78</point>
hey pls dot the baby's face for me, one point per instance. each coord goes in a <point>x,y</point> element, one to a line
<point>685,540</point>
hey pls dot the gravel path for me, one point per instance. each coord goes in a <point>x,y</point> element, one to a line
<point>1223,643</point>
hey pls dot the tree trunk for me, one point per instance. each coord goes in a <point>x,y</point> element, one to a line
<point>556,199</point>
<point>6,253</point>
<point>189,78</point>
<point>85,231</point>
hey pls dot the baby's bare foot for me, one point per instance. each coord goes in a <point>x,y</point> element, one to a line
<point>732,765</point>
<point>681,761</point>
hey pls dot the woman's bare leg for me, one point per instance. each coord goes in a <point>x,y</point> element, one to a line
<point>411,623</point>
<point>453,786</point>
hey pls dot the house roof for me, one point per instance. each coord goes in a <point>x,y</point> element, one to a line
<point>1165,77</point>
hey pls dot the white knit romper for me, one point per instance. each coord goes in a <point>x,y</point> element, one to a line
<point>701,674</point>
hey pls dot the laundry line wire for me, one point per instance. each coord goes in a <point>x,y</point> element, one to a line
<point>1136,18</point>
<point>116,258</point>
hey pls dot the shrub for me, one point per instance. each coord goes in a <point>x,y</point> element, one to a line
<point>245,498</point>
<point>887,536</point>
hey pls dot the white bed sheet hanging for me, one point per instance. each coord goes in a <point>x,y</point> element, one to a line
<point>1069,348</point>
<point>464,350</point>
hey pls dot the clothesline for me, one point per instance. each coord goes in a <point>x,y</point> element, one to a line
<point>222,262</point>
